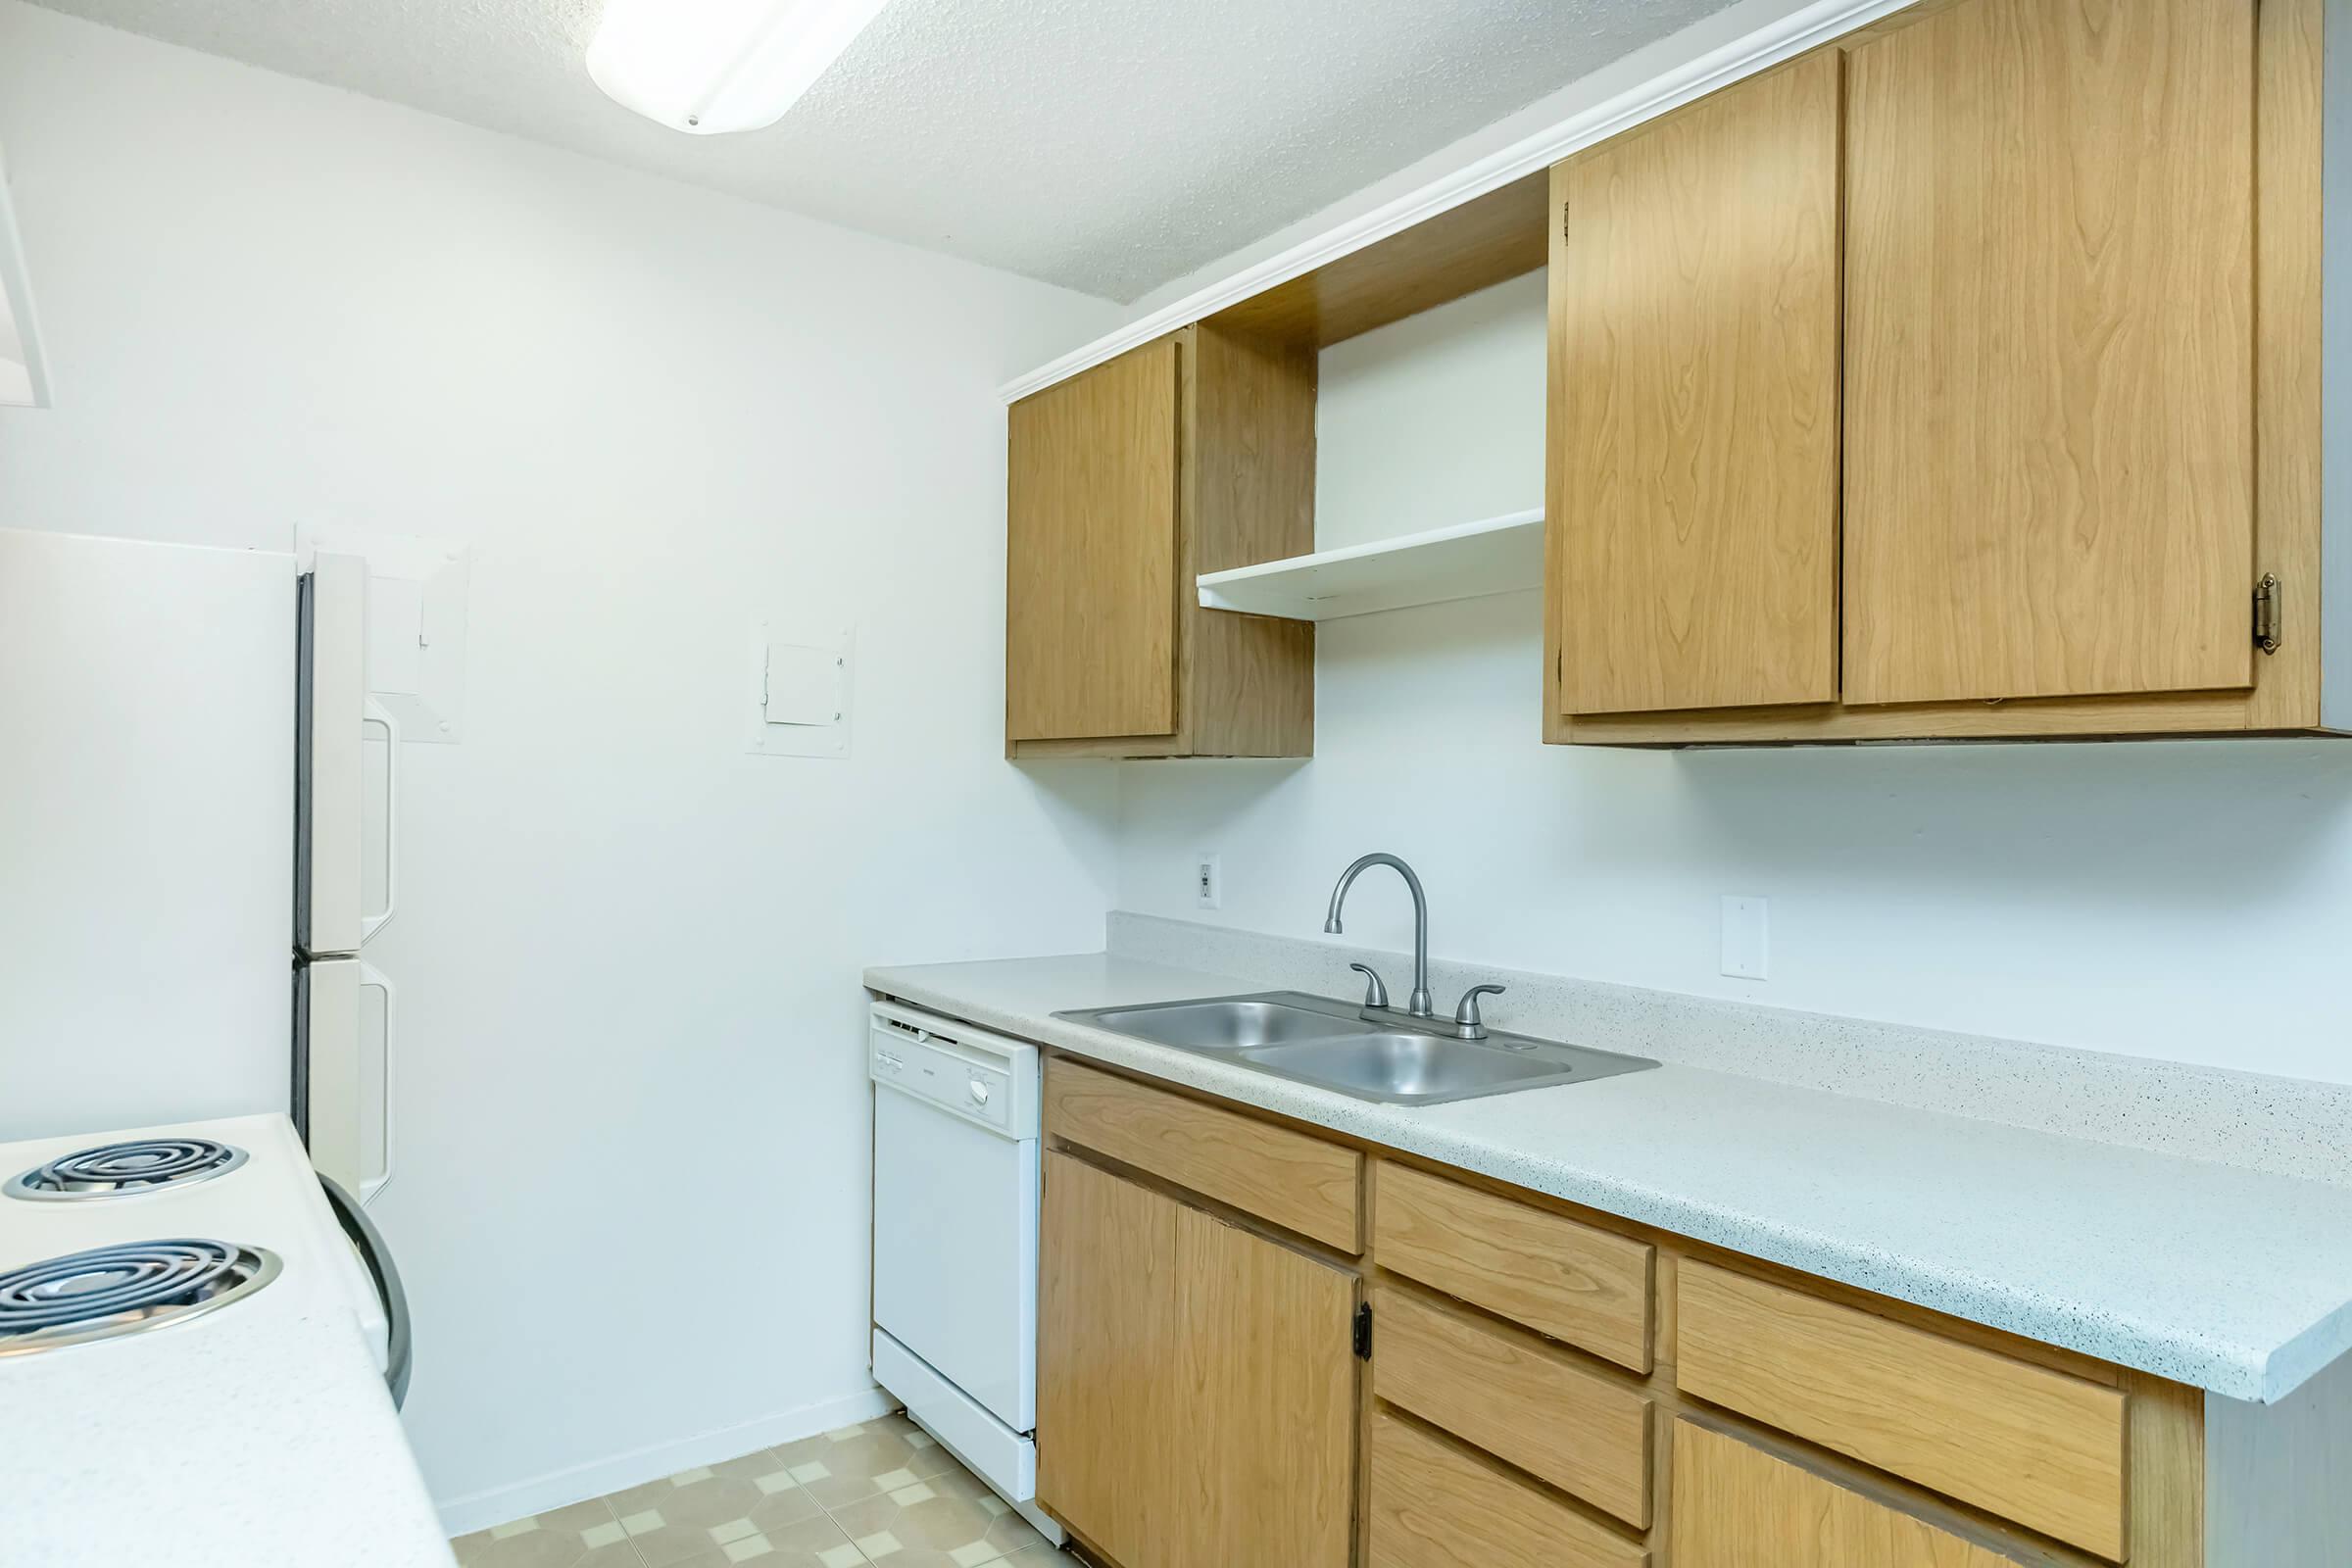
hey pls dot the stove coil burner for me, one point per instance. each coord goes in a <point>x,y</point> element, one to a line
<point>111,1291</point>
<point>115,1170</point>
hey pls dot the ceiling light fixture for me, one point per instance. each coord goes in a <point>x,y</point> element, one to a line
<point>708,67</point>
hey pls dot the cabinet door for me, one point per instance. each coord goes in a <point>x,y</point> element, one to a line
<point>1266,1359</point>
<point>2049,352</point>
<point>1091,552</point>
<point>1107,1411</point>
<point>1737,1506</point>
<point>1196,1386</point>
<point>1695,337</point>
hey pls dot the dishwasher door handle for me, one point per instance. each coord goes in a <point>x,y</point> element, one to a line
<point>386,1274</point>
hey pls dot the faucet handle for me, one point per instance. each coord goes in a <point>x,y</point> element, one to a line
<point>1466,1022</point>
<point>1376,993</point>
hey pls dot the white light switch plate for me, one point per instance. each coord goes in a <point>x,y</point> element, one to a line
<point>1746,935</point>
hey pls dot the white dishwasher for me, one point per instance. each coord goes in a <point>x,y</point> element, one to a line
<point>956,1170</point>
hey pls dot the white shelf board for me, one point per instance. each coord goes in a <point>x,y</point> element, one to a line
<point>1465,561</point>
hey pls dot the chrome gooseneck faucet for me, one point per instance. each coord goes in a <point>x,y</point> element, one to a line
<point>1419,1007</point>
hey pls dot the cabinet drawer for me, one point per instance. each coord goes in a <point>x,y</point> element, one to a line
<point>1582,1431</point>
<point>2020,1441</point>
<point>1586,1287</point>
<point>1434,1506</point>
<point>1287,1178</point>
<point>1737,1506</point>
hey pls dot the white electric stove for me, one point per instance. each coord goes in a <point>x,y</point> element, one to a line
<point>195,1355</point>
<point>206,1217</point>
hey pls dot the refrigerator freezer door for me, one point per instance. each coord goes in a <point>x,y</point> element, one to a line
<point>330,730</point>
<point>146,851</point>
<point>348,1023</point>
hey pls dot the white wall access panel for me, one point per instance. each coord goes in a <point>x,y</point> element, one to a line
<point>800,677</point>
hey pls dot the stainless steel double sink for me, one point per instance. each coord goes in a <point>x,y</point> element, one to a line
<point>1372,1053</point>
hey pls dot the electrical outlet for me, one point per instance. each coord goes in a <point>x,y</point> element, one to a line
<point>1746,935</point>
<point>1208,882</point>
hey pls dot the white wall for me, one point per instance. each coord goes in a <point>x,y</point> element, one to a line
<point>1437,419</point>
<point>1724,29</point>
<point>2182,901</point>
<point>632,1199</point>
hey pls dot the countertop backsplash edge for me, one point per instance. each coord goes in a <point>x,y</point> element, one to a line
<point>2283,1126</point>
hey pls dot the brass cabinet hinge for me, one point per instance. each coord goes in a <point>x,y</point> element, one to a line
<point>2268,597</point>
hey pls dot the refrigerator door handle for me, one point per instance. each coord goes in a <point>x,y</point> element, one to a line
<point>371,978</point>
<point>380,716</point>
<point>378,1258</point>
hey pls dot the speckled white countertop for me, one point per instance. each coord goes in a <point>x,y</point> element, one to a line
<point>260,1435</point>
<point>2238,1281</point>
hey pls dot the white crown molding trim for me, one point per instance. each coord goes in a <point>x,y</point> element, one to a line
<point>1792,35</point>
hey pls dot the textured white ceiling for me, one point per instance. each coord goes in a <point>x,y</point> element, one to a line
<point>1105,145</point>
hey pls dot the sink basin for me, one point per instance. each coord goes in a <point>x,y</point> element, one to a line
<point>1230,1023</point>
<point>1409,1068</point>
<point>1387,1056</point>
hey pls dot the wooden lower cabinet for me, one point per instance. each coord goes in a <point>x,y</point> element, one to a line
<point>1435,1505</point>
<point>1289,1179</point>
<point>2042,1448</point>
<point>1546,1386</point>
<point>1580,1430</point>
<point>1196,1386</point>
<point>1738,1506</point>
<point>1575,1284</point>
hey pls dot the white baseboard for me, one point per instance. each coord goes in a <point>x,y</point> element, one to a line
<point>461,1516</point>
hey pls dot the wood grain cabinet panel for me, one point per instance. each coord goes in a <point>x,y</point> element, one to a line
<point>1521,1402</point>
<point>1589,1288</point>
<point>1266,1365</point>
<point>1127,481</point>
<point>1288,1178</point>
<point>1435,1506</point>
<point>1737,1506</point>
<point>1091,554</point>
<point>1197,1389</point>
<point>2049,364</point>
<point>1106,1410</point>
<point>1694,322</point>
<point>2030,1444</point>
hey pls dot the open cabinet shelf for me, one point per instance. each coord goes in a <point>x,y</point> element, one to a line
<point>1463,560</point>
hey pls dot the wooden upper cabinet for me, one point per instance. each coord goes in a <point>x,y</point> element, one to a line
<point>2049,353</point>
<point>1091,559</point>
<point>1190,454</point>
<point>1693,533</point>
<point>2066,261</point>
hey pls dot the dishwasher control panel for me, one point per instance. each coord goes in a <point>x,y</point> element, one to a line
<point>980,1076</point>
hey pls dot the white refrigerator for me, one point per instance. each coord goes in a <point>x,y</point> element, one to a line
<point>185,811</point>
